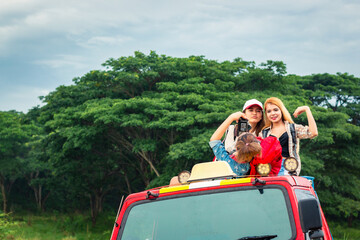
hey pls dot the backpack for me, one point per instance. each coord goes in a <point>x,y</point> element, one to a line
<point>231,136</point>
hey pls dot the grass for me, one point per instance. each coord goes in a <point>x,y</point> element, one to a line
<point>340,231</point>
<point>58,227</point>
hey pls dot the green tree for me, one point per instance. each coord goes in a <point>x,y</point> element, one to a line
<point>146,117</point>
<point>114,128</point>
<point>340,92</point>
<point>37,171</point>
<point>13,138</point>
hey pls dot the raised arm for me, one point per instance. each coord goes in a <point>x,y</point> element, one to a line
<point>217,135</point>
<point>311,120</point>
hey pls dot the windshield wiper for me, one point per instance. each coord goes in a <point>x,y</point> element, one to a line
<point>264,237</point>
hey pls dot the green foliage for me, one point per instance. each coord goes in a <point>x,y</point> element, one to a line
<point>340,92</point>
<point>6,224</point>
<point>145,118</point>
<point>73,226</point>
<point>16,137</point>
<point>340,231</point>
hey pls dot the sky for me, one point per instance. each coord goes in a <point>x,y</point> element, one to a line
<point>45,44</point>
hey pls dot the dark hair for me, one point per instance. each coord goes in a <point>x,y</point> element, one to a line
<point>260,125</point>
<point>247,147</point>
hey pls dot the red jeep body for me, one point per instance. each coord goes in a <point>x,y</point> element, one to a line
<point>242,208</point>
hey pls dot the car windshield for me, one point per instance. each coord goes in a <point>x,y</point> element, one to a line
<point>219,215</point>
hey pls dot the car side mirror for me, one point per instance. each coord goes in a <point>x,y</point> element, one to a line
<point>310,217</point>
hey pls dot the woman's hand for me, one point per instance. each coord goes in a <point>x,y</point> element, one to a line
<point>217,135</point>
<point>311,120</point>
<point>237,115</point>
<point>300,110</point>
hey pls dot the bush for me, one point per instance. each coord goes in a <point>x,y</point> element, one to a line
<point>340,231</point>
<point>5,223</point>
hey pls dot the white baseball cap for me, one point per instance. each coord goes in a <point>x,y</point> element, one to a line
<point>252,102</point>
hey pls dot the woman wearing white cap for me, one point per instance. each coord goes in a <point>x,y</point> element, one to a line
<point>253,112</point>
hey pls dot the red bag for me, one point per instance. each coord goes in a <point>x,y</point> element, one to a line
<point>270,153</point>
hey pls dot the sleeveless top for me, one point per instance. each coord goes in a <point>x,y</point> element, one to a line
<point>284,142</point>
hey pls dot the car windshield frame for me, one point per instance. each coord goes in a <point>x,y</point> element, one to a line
<point>204,192</point>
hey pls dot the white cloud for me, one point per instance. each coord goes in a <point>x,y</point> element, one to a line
<point>100,41</point>
<point>18,6</point>
<point>67,38</point>
<point>64,61</point>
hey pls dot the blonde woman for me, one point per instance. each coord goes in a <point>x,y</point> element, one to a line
<point>278,123</point>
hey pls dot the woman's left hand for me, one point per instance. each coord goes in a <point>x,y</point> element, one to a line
<point>300,110</point>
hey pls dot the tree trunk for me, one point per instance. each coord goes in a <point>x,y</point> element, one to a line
<point>350,220</point>
<point>128,183</point>
<point>3,194</point>
<point>38,197</point>
<point>96,207</point>
<point>143,173</point>
<point>44,200</point>
<point>148,160</point>
<point>38,190</point>
<point>129,146</point>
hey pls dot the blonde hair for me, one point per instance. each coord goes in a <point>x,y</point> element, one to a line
<point>247,147</point>
<point>284,112</point>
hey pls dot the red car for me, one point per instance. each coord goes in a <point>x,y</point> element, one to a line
<point>214,204</point>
